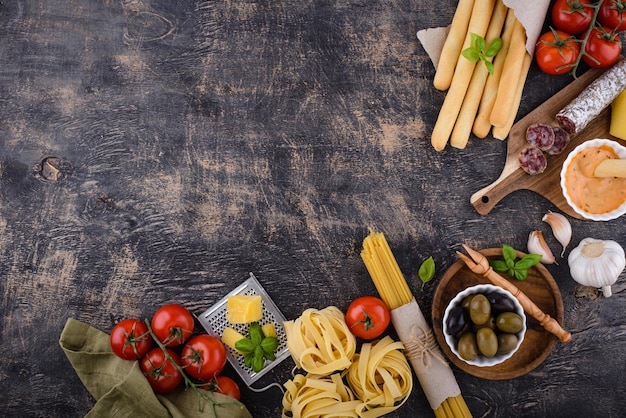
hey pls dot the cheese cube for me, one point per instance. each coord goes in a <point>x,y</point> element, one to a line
<point>618,116</point>
<point>243,309</point>
<point>230,337</point>
<point>269,330</point>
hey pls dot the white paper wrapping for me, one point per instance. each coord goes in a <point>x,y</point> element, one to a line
<point>422,351</point>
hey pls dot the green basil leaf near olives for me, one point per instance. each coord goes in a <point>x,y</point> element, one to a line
<point>484,324</point>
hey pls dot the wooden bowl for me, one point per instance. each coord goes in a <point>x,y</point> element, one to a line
<point>540,287</point>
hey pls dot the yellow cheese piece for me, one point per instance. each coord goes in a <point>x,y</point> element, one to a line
<point>230,337</point>
<point>618,116</point>
<point>269,330</point>
<point>242,309</point>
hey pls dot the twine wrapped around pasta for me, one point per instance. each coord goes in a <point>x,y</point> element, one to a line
<point>422,348</point>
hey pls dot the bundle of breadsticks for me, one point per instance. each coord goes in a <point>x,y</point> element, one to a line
<point>478,101</point>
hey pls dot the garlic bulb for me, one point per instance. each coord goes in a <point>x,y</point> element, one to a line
<point>561,228</point>
<point>597,263</point>
<point>537,245</point>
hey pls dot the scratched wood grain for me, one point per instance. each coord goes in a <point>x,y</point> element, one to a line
<point>154,151</point>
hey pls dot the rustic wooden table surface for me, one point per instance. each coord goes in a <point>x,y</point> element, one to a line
<point>198,141</point>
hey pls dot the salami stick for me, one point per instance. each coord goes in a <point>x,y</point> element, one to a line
<point>453,45</point>
<point>482,126</point>
<point>481,14</point>
<point>593,99</point>
<point>469,108</point>
<point>510,77</point>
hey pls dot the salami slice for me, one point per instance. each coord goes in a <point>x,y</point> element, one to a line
<point>533,160</point>
<point>541,136</point>
<point>593,99</point>
<point>561,139</point>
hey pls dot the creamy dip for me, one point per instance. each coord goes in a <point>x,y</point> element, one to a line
<point>594,194</point>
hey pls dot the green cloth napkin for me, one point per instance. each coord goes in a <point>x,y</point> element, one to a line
<point>121,389</point>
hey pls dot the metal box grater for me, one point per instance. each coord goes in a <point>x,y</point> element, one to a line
<point>214,321</point>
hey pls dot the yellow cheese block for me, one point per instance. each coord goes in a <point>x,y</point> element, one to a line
<point>242,309</point>
<point>230,337</point>
<point>618,116</point>
<point>269,330</point>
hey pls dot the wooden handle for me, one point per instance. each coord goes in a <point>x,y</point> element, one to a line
<point>613,167</point>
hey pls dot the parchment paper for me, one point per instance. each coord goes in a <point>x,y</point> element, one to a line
<point>429,364</point>
<point>531,13</point>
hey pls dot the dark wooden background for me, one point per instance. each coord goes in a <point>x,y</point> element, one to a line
<point>199,141</point>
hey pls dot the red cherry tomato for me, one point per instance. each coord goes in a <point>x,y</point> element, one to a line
<point>367,317</point>
<point>227,386</point>
<point>572,16</point>
<point>612,14</point>
<point>603,48</point>
<point>556,52</point>
<point>130,339</point>
<point>172,324</point>
<point>162,375</point>
<point>203,357</point>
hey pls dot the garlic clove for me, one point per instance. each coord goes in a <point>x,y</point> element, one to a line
<point>561,228</point>
<point>537,245</point>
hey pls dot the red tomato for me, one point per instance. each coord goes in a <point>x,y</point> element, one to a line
<point>572,16</point>
<point>603,48</point>
<point>130,339</point>
<point>556,52</point>
<point>367,317</point>
<point>227,386</point>
<point>612,14</point>
<point>162,375</point>
<point>172,324</point>
<point>203,357</point>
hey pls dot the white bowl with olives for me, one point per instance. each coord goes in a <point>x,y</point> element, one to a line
<point>484,325</point>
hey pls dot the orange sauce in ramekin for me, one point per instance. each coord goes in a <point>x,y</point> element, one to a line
<point>594,194</point>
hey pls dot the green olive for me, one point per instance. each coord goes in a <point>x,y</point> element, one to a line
<point>491,323</point>
<point>506,342</point>
<point>480,309</point>
<point>465,303</point>
<point>487,342</point>
<point>467,347</point>
<point>509,322</point>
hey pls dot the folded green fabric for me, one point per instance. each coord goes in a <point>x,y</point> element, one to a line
<point>121,389</point>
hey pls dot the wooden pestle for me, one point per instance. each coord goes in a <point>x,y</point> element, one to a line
<point>479,264</point>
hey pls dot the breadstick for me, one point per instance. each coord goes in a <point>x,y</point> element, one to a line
<point>467,114</point>
<point>481,14</point>
<point>453,45</point>
<point>613,167</point>
<point>509,78</point>
<point>501,132</point>
<point>482,126</point>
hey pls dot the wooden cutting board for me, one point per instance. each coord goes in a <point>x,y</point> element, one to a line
<point>547,184</point>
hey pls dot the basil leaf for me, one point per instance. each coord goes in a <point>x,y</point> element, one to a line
<point>528,261</point>
<point>245,345</point>
<point>256,333</point>
<point>494,48</point>
<point>247,361</point>
<point>508,253</point>
<point>269,344</point>
<point>489,66</point>
<point>269,356</point>
<point>427,270</point>
<point>471,54</point>
<point>520,274</point>
<point>258,363</point>
<point>476,41</point>
<point>498,265</point>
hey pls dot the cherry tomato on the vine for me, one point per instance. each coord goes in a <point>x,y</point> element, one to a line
<point>227,386</point>
<point>162,375</point>
<point>572,16</point>
<point>612,14</point>
<point>603,48</point>
<point>130,339</point>
<point>172,324</point>
<point>556,52</point>
<point>367,317</point>
<point>203,357</point>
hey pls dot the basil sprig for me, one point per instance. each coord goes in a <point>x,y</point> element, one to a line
<point>257,347</point>
<point>517,269</point>
<point>479,50</point>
